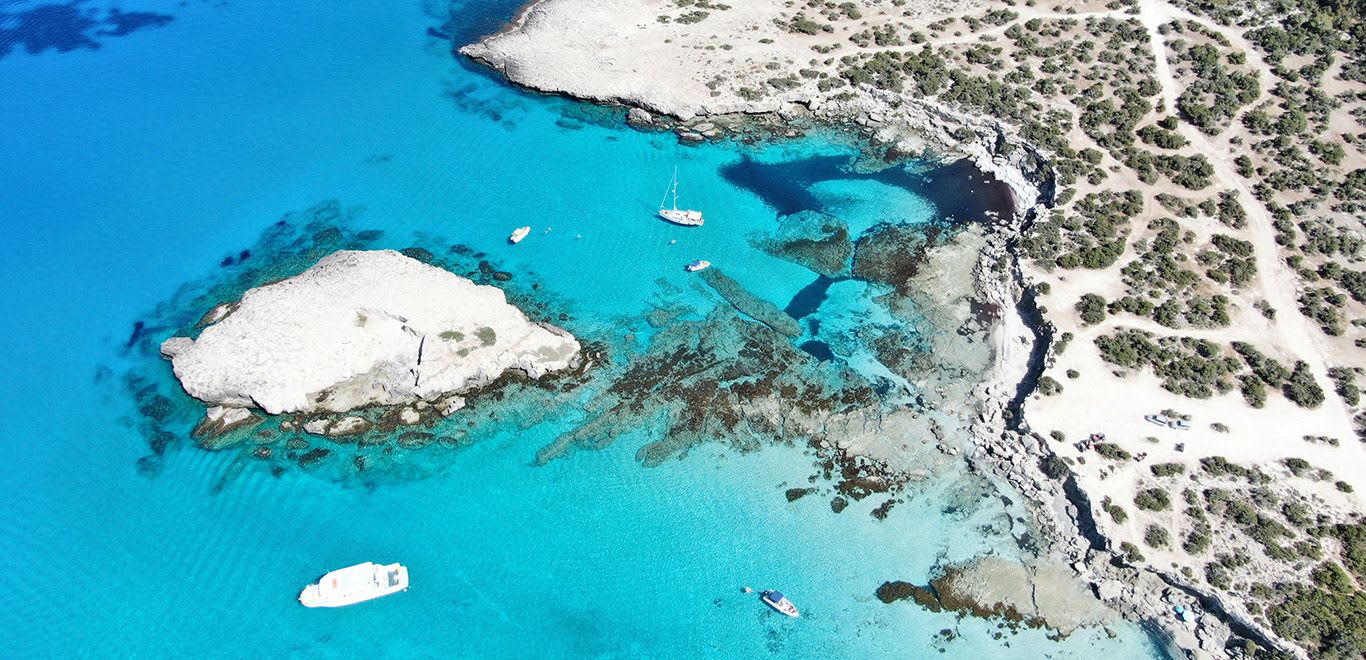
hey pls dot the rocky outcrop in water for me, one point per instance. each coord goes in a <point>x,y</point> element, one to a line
<point>812,239</point>
<point>722,379</point>
<point>1044,595</point>
<point>757,308</point>
<point>359,329</point>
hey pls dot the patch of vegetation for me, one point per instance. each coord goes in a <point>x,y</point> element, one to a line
<point>1048,386</point>
<point>1217,93</point>
<point>1091,307</point>
<point>1156,536</point>
<point>1054,467</point>
<point>1219,466</point>
<point>1301,387</point>
<point>1191,367</point>
<point>1167,469</point>
<point>1092,236</point>
<point>1117,512</point>
<point>1153,499</point>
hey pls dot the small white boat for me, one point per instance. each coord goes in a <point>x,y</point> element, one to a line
<point>779,602</point>
<point>685,217</point>
<point>700,264</point>
<point>518,234</point>
<point>355,584</point>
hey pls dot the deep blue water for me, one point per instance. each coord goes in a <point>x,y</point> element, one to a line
<point>143,150</point>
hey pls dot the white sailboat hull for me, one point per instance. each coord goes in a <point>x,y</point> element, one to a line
<point>687,218</point>
<point>519,234</point>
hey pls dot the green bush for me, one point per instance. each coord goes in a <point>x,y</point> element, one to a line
<point>1344,383</point>
<point>1117,512</point>
<point>1167,469</point>
<point>1153,499</point>
<point>1048,386</point>
<point>1054,467</point>
<point>1092,309</point>
<point>1196,542</point>
<point>1297,466</point>
<point>1301,388</point>
<point>1221,467</point>
<point>1156,536</point>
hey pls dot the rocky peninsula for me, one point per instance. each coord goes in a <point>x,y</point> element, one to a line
<point>1184,222</point>
<point>359,329</point>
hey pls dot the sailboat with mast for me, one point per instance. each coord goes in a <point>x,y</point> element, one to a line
<point>686,217</point>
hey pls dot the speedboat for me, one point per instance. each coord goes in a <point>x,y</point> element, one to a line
<point>518,234</point>
<point>355,584</point>
<point>700,264</point>
<point>779,602</point>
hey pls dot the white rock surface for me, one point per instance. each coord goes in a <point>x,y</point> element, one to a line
<point>360,329</point>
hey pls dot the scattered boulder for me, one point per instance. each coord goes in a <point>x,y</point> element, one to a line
<point>639,118</point>
<point>220,420</point>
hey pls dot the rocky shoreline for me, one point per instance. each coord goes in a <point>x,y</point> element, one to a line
<point>895,127</point>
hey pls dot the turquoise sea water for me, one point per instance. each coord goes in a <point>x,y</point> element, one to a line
<point>138,151</point>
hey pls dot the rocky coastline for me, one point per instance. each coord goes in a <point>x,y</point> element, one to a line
<point>894,127</point>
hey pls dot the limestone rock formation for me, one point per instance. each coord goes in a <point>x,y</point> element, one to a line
<point>358,329</point>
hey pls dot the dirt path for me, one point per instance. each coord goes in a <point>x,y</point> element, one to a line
<point>1277,282</point>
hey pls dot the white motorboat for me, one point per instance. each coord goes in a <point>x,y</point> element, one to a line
<point>685,217</point>
<point>355,584</point>
<point>518,234</point>
<point>779,602</point>
<point>700,264</point>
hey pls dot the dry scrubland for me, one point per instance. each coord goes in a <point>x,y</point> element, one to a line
<point>1202,253</point>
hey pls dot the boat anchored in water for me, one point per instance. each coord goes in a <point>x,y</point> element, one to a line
<point>779,602</point>
<point>355,584</point>
<point>518,234</point>
<point>685,217</point>
<point>700,264</point>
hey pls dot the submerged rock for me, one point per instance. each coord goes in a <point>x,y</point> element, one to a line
<point>1044,595</point>
<point>753,306</point>
<point>811,239</point>
<point>363,328</point>
<point>314,457</point>
<point>891,254</point>
<point>722,379</point>
<point>219,421</point>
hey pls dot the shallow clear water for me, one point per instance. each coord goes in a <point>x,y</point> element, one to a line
<point>140,165</point>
